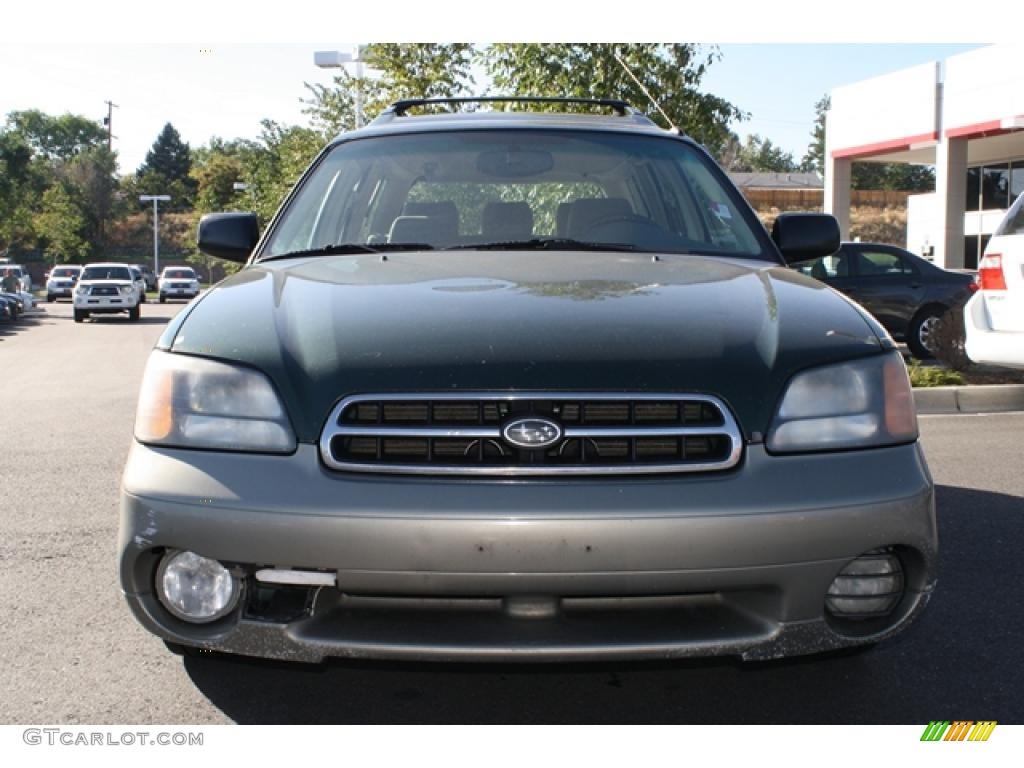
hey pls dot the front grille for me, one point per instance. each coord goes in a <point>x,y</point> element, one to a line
<point>466,434</point>
<point>105,290</point>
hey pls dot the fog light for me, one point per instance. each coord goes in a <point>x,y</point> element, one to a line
<point>195,588</point>
<point>867,587</point>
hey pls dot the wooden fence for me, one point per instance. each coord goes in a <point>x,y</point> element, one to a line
<point>810,199</point>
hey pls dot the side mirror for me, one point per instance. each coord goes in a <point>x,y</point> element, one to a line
<point>803,236</point>
<point>230,236</point>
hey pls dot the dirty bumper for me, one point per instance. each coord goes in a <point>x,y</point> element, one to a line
<point>732,563</point>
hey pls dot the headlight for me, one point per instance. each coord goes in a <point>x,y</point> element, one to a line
<point>190,402</point>
<point>82,289</point>
<point>126,290</point>
<point>859,404</point>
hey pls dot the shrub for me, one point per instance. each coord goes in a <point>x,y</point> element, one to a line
<point>932,376</point>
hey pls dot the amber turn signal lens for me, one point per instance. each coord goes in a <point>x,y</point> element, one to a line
<point>154,418</point>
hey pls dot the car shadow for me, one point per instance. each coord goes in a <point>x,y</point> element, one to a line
<point>103,320</point>
<point>23,323</point>
<point>960,660</point>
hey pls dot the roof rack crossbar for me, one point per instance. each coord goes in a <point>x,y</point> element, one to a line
<point>399,108</point>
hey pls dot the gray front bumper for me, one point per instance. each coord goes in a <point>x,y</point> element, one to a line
<point>729,563</point>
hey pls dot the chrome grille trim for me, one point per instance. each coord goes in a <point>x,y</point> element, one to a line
<point>334,429</point>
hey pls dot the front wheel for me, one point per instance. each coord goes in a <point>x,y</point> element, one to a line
<point>133,313</point>
<point>162,298</point>
<point>80,315</point>
<point>922,339</point>
<point>49,298</point>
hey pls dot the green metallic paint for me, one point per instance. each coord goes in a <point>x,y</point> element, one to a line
<point>323,328</point>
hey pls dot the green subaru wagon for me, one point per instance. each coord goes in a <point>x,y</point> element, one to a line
<point>523,386</point>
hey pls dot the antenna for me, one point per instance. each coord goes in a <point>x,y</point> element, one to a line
<point>672,126</point>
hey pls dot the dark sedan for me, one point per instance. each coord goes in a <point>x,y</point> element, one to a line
<point>907,294</point>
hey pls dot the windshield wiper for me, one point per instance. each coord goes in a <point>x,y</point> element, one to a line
<point>547,244</point>
<point>345,248</point>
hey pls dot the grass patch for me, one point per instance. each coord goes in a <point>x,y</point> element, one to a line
<point>932,376</point>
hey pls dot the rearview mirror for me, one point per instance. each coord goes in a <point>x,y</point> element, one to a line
<point>230,236</point>
<point>803,236</point>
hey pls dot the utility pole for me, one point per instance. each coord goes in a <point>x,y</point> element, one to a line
<point>109,122</point>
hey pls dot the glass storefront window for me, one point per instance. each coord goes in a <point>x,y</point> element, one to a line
<point>1016,179</point>
<point>995,187</point>
<point>973,186</point>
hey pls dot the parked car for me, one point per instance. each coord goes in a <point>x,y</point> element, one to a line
<point>178,283</point>
<point>906,294</point>
<point>148,275</point>
<point>104,289</point>
<point>20,272</point>
<point>994,317</point>
<point>60,282</point>
<point>525,387</point>
<point>11,306</point>
<point>140,282</point>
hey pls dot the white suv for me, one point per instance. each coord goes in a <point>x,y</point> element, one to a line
<point>106,288</point>
<point>994,317</point>
<point>178,283</point>
<point>60,282</point>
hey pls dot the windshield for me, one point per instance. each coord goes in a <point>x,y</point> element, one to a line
<point>64,272</point>
<point>477,188</point>
<point>180,274</point>
<point>106,273</point>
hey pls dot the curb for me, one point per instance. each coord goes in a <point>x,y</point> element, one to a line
<point>985,398</point>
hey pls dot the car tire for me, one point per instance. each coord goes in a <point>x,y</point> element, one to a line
<point>162,298</point>
<point>923,334</point>
<point>49,298</point>
<point>80,315</point>
<point>133,313</point>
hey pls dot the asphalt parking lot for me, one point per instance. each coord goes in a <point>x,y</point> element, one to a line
<point>71,653</point>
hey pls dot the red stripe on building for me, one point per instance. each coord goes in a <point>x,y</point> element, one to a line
<point>988,128</point>
<point>884,147</point>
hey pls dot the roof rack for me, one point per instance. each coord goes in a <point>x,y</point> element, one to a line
<point>399,108</point>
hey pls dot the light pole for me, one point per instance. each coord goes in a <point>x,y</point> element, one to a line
<point>334,59</point>
<point>156,226</point>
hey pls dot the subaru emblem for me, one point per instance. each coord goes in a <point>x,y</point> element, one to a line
<point>532,433</point>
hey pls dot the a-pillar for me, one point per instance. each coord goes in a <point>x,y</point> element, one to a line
<point>950,198</point>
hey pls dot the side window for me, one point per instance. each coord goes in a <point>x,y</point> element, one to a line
<point>825,267</point>
<point>882,263</point>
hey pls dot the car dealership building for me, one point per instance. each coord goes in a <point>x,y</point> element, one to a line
<point>965,116</point>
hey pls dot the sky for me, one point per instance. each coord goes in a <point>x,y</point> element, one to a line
<point>224,89</point>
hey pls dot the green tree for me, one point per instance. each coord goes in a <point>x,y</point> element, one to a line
<point>671,74</point>
<point>415,70</point>
<point>167,168</point>
<point>758,154</point>
<point>91,178</point>
<point>215,177</point>
<point>814,159</point>
<point>273,163</point>
<point>15,178</point>
<point>56,137</point>
<point>62,225</point>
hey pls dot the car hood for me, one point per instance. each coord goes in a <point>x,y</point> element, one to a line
<point>326,327</point>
